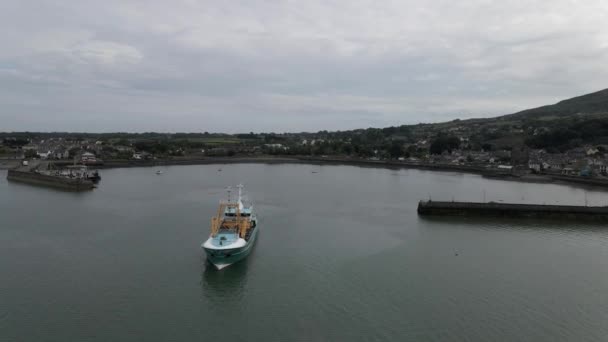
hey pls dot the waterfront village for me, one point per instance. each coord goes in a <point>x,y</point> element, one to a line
<point>456,148</point>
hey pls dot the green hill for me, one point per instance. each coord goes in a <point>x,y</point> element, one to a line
<point>594,103</point>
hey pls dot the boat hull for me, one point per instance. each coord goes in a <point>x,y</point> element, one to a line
<point>222,258</point>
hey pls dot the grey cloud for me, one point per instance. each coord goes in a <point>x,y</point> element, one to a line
<point>287,66</point>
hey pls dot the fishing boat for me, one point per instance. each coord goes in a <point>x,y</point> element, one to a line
<point>159,172</point>
<point>94,177</point>
<point>233,232</point>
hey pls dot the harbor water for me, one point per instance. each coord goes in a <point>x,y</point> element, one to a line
<point>341,256</point>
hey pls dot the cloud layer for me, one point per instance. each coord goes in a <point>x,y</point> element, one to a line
<point>239,66</point>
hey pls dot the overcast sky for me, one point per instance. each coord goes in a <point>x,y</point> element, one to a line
<point>254,65</point>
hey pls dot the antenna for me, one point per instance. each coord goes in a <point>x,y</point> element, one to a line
<point>240,187</point>
<point>229,190</point>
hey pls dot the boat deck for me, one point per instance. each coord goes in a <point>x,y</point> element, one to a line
<point>225,238</point>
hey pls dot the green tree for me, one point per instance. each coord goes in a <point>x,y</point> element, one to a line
<point>396,149</point>
<point>444,143</point>
<point>30,154</point>
<point>487,147</point>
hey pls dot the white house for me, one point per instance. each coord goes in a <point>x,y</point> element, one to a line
<point>121,148</point>
<point>45,155</point>
<point>534,165</point>
<point>88,157</point>
<point>61,154</point>
<point>568,171</point>
<point>592,151</point>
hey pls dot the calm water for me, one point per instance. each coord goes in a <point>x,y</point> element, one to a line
<point>342,255</point>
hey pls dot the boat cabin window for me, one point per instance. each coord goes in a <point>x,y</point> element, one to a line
<point>234,214</point>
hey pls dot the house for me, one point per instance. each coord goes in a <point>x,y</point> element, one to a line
<point>535,165</point>
<point>122,148</point>
<point>274,145</point>
<point>592,151</point>
<point>576,154</point>
<point>45,155</point>
<point>30,147</point>
<point>61,154</point>
<point>569,171</point>
<point>88,157</point>
<point>422,143</point>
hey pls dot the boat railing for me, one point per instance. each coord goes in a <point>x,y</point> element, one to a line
<point>215,226</point>
<point>239,222</point>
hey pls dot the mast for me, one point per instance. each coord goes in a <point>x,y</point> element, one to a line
<point>240,187</point>
<point>240,202</point>
<point>229,189</point>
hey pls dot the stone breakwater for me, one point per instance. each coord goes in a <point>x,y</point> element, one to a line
<point>430,208</point>
<point>50,181</point>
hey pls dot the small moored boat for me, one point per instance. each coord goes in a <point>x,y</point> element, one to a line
<point>94,177</point>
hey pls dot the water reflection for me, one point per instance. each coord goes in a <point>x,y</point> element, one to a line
<point>514,223</point>
<point>226,284</point>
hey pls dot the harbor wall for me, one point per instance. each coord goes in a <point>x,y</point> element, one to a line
<point>50,181</point>
<point>512,210</point>
<point>580,180</point>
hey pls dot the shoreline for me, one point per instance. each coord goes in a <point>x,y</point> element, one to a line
<point>478,170</point>
<point>469,169</point>
<point>113,164</point>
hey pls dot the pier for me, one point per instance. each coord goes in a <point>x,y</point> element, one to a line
<point>74,184</point>
<point>512,210</point>
<point>29,174</point>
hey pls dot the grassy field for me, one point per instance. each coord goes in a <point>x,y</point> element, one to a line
<point>217,140</point>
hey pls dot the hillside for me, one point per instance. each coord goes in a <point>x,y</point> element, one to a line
<point>594,103</point>
<point>568,124</point>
